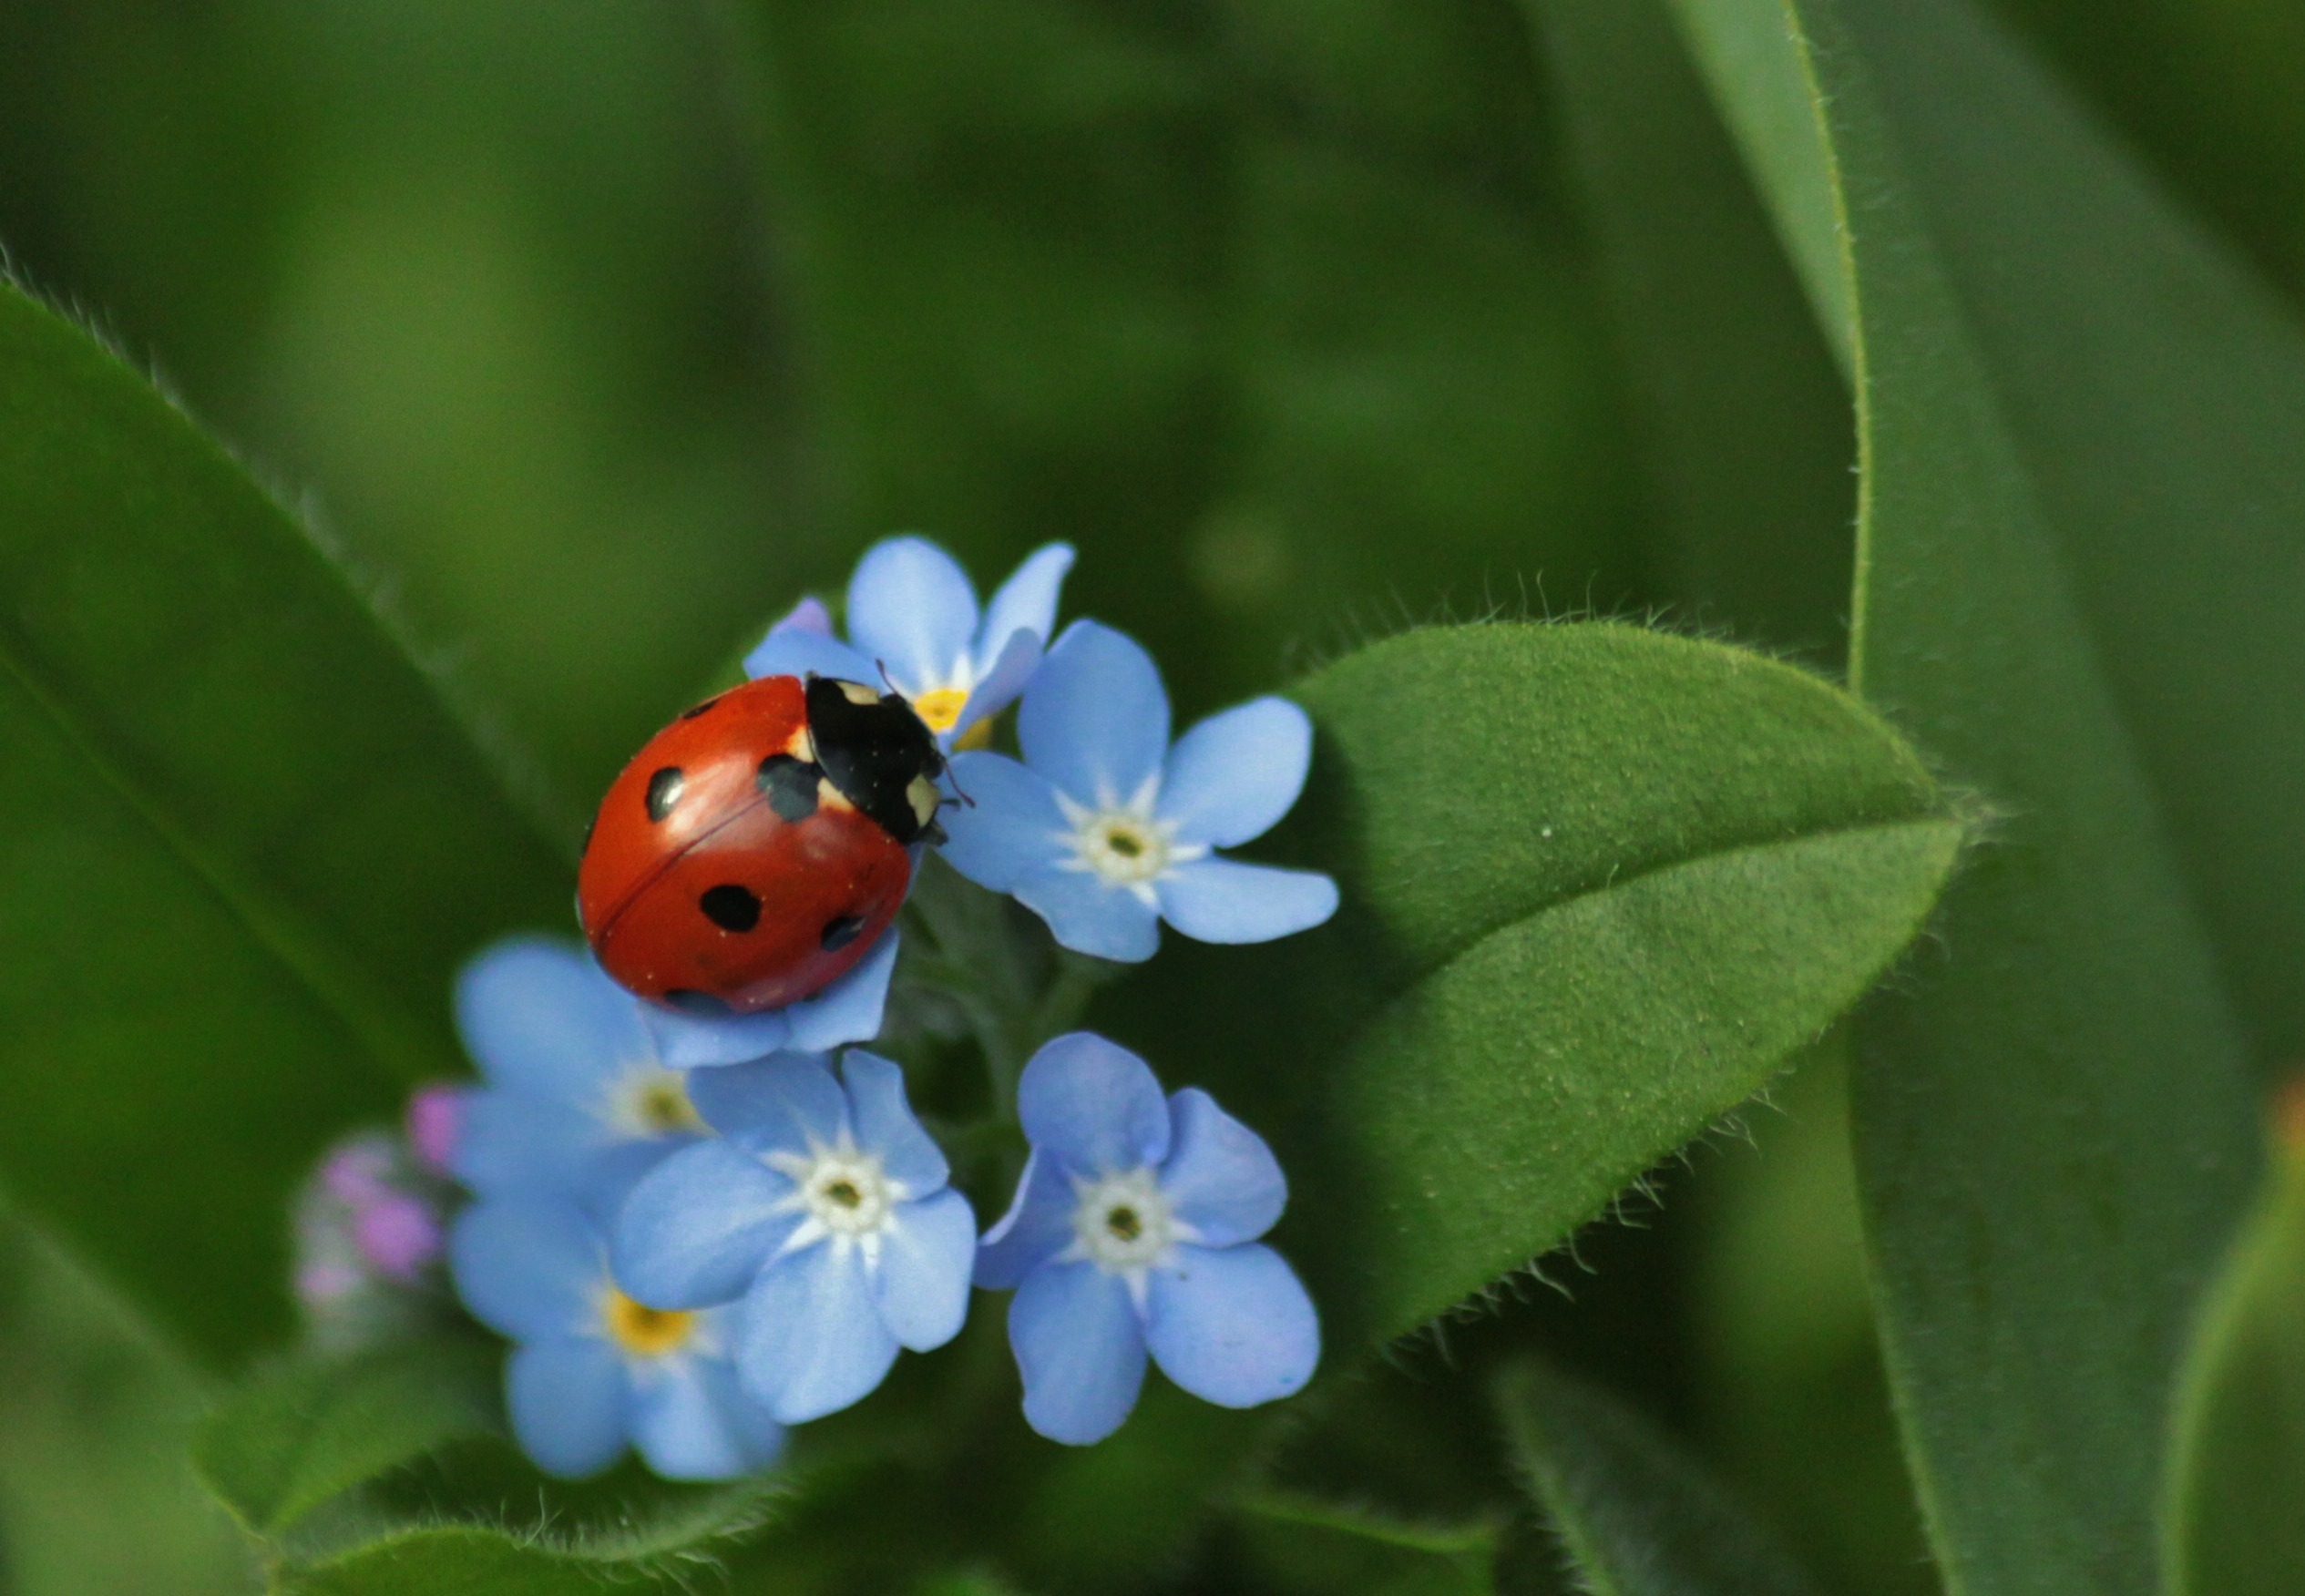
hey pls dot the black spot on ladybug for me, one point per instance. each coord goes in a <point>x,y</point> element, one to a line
<point>730,907</point>
<point>703,1005</point>
<point>664,791</point>
<point>691,714</point>
<point>789,784</point>
<point>840,931</point>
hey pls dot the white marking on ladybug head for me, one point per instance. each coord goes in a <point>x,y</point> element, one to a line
<point>831,797</point>
<point>922,793</point>
<point>856,692</point>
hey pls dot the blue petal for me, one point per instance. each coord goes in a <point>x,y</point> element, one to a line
<point>1008,828</point>
<point>850,1009</point>
<point>1095,721</point>
<point>691,1420</point>
<point>884,1124</point>
<point>927,1257</point>
<point>697,1231</point>
<point>1002,678</point>
<point>1037,1227</point>
<point>1232,1325</point>
<point>529,1267</point>
<point>1026,602</point>
<point>517,1141</point>
<point>688,1041</point>
<point>912,611</point>
<point>1094,1107</point>
<point>798,653</point>
<point>1223,900</point>
<point>785,1104</point>
<point>1233,776</point>
<point>1219,1177</point>
<point>1079,1350</point>
<point>1086,915</point>
<point>567,1399</point>
<point>812,1340</point>
<point>540,1018</point>
<point>808,616</point>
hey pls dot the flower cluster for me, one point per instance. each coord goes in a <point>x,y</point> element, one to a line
<point>698,1229</point>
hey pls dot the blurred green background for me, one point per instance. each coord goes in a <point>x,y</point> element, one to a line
<point>593,333</point>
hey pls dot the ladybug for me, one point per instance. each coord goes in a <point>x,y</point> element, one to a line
<point>758,847</point>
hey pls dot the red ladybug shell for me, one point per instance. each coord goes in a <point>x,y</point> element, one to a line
<point>698,893</point>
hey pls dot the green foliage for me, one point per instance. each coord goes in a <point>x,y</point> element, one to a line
<point>301,1434</point>
<point>1600,884</point>
<point>1304,1544</point>
<point>1741,420</point>
<point>1635,1516</point>
<point>2073,585</point>
<point>245,843</point>
<point>2239,1465</point>
<point>1267,303</point>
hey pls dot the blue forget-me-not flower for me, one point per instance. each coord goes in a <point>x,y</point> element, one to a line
<point>1105,830</point>
<point>825,1209</point>
<point>577,1100</point>
<point>1134,1231</point>
<point>591,1370</point>
<point>849,1010</point>
<point>913,615</point>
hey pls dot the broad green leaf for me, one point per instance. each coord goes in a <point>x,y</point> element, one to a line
<point>2076,585</point>
<point>1635,1516</point>
<point>2239,1466</point>
<point>245,846</point>
<point>1742,423</point>
<point>1599,883</point>
<point>299,1435</point>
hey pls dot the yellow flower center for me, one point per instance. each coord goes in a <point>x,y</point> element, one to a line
<point>655,1103</point>
<point>643,1331</point>
<point>939,708</point>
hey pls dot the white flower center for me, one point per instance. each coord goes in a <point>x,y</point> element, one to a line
<point>1124,1224</point>
<point>1123,843</point>
<point>844,1193</point>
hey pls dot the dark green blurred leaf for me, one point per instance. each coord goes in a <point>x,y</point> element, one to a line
<point>1302,1544</point>
<point>2240,1431</point>
<point>1635,1516</point>
<point>2078,583</point>
<point>1598,884</point>
<point>299,1435</point>
<point>1743,423</point>
<point>1796,1409</point>
<point>1269,306</point>
<point>246,846</point>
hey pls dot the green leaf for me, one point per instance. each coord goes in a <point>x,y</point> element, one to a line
<point>1635,1517</point>
<point>664,1556</point>
<point>1742,422</point>
<point>2241,1459</point>
<point>1598,884</point>
<point>300,1434</point>
<point>2079,427</point>
<point>246,845</point>
<point>1302,1543</point>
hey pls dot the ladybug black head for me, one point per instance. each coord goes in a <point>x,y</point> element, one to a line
<point>877,755</point>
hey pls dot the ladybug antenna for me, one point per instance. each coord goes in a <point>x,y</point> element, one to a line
<point>958,796</point>
<point>886,680</point>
